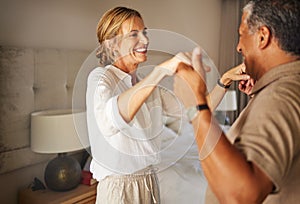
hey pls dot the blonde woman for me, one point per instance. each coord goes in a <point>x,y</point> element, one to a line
<point>125,115</point>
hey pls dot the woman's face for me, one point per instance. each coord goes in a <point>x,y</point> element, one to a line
<point>133,41</point>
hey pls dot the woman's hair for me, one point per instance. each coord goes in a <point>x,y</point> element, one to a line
<point>108,28</point>
<point>282,17</point>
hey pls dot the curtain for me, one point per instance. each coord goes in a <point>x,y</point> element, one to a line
<point>229,57</point>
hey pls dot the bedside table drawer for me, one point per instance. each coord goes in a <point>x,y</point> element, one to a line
<point>83,194</point>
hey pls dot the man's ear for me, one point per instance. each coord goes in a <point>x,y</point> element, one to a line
<point>264,37</point>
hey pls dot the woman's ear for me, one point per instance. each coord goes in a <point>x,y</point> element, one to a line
<point>264,35</point>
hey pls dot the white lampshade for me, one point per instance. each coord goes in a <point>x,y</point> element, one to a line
<point>53,131</point>
<point>228,102</point>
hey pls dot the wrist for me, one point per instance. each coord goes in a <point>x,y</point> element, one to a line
<point>193,111</point>
<point>201,100</point>
<point>158,74</point>
<point>224,83</point>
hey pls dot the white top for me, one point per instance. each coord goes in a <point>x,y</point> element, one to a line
<point>118,147</point>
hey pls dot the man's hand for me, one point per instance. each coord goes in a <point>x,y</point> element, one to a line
<point>246,86</point>
<point>190,85</point>
<point>234,74</point>
<point>238,74</point>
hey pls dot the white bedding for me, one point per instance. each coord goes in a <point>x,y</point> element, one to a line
<point>183,181</point>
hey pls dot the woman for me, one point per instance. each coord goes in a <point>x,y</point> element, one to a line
<point>126,116</point>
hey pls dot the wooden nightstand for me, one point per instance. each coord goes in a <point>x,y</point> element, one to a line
<point>83,194</point>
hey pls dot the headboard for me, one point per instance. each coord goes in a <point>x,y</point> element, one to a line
<point>31,79</point>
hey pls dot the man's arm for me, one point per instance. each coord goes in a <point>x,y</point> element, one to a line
<point>231,177</point>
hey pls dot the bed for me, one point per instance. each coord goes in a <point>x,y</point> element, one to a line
<point>183,181</point>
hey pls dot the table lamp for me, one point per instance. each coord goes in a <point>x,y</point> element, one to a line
<point>228,103</point>
<point>54,131</point>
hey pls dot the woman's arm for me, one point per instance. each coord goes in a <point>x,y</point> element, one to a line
<point>234,74</point>
<point>130,101</point>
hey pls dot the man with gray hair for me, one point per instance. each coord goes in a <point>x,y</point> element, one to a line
<point>258,161</point>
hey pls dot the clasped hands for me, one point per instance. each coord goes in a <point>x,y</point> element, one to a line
<point>189,82</point>
<point>190,79</point>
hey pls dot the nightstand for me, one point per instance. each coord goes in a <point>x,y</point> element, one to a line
<point>83,194</point>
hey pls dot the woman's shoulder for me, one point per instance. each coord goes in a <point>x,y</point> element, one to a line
<point>104,75</point>
<point>100,72</point>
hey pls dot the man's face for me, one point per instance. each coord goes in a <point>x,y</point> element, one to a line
<point>246,47</point>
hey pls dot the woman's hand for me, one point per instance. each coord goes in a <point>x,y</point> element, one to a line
<point>234,74</point>
<point>169,67</point>
<point>238,74</point>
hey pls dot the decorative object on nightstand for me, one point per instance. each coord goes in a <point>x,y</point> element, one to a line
<point>53,131</point>
<point>227,104</point>
<point>87,176</point>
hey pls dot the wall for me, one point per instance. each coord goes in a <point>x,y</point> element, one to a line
<point>32,79</point>
<point>56,29</point>
<point>72,23</point>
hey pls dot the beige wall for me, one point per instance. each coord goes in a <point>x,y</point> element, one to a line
<point>70,24</point>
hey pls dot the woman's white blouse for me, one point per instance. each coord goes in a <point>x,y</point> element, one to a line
<point>118,147</point>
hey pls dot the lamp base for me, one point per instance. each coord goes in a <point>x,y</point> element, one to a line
<point>63,173</point>
<point>222,117</point>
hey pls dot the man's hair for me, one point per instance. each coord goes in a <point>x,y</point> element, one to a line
<point>282,17</point>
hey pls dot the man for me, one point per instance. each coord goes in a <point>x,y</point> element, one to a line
<point>262,164</point>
